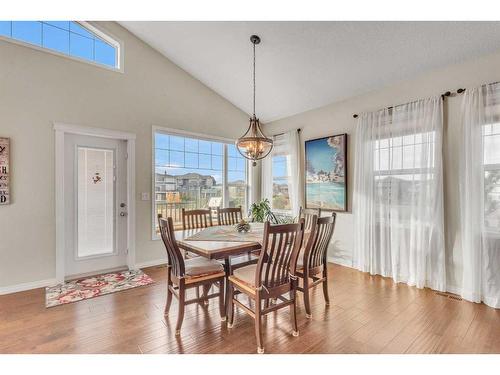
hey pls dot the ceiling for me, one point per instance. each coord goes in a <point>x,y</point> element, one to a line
<point>306,65</point>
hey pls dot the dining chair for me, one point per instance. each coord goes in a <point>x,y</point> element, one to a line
<point>195,219</point>
<point>312,266</point>
<point>272,277</point>
<point>229,216</point>
<point>307,214</point>
<point>183,275</point>
<point>232,216</point>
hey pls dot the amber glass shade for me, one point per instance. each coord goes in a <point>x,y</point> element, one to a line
<point>254,145</point>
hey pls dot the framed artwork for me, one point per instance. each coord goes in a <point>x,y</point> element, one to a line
<point>4,171</point>
<point>326,173</point>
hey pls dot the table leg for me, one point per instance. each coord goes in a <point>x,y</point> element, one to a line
<point>227,268</point>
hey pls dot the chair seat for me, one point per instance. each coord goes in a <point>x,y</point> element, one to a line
<point>200,266</point>
<point>246,274</point>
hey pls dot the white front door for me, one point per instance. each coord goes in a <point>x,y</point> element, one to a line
<point>95,195</point>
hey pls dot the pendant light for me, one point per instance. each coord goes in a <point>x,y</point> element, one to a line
<point>254,145</point>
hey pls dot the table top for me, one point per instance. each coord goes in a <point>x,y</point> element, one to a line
<point>238,244</point>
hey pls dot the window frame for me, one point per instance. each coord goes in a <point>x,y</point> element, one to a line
<point>199,136</point>
<point>99,31</point>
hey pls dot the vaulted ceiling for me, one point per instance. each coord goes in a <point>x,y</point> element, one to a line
<point>305,65</point>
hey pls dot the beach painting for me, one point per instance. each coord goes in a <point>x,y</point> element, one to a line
<point>326,183</point>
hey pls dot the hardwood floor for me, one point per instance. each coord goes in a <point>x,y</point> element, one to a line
<point>368,314</point>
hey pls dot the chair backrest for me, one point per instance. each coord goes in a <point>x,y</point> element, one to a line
<point>229,216</point>
<point>307,214</point>
<point>174,255</point>
<point>317,245</point>
<point>194,219</point>
<point>278,258</point>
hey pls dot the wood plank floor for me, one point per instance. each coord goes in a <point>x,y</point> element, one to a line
<point>368,314</point>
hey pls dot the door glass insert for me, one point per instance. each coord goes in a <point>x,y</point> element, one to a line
<point>96,202</point>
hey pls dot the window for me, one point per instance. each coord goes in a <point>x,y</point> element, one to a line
<point>196,172</point>
<point>76,39</point>
<point>281,183</point>
<point>404,169</point>
<point>491,141</point>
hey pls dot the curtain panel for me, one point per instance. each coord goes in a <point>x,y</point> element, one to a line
<point>480,195</point>
<point>288,146</point>
<point>398,194</point>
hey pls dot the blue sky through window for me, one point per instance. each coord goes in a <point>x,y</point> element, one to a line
<point>279,166</point>
<point>67,37</point>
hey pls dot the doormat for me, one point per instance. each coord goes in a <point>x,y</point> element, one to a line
<point>90,287</point>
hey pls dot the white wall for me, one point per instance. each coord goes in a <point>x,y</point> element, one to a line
<point>337,118</point>
<point>38,88</point>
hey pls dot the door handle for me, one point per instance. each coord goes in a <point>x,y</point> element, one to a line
<point>123,214</point>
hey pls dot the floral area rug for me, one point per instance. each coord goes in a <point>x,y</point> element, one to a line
<point>94,286</point>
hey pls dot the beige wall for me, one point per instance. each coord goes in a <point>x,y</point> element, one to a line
<point>337,118</point>
<point>38,88</point>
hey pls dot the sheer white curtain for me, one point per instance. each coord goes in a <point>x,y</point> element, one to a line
<point>287,146</point>
<point>480,195</point>
<point>398,194</point>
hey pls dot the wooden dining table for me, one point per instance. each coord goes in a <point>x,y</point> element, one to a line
<point>221,242</point>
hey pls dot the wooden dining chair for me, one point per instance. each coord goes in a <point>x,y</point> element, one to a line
<point>312,266</point>
<point>232,216</point>
<point>229,216</point>
<point>272,277</point>
<point>195,219</point>
<point>307,214</point>
<point>183,275</point>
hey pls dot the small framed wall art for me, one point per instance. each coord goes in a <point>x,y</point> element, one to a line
<point>4,171</point>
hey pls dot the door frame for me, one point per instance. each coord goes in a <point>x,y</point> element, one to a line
<point>61,129</point>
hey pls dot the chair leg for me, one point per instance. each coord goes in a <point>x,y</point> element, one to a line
<point>169,296</point>
<point>180,316</point>
<point>293,313</point>
<point>325,286</point>
<point>307,302</point>
<point>258,325</point>
<point>230,304</point>
<point>169,299</point>
<point>206,291</point>
<point>222,308</point>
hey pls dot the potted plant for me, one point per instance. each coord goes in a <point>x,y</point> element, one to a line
<point>261,211</point>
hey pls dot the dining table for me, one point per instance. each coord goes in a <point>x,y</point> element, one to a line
<point>221,242</point>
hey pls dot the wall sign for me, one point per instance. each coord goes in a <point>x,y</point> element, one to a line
<point>4,171</point>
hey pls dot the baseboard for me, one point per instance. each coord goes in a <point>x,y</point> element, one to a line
<point>51,282</point>
<point>151,263</point>
<point>27,286</point>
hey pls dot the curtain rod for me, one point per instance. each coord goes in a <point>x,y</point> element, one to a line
<point>447,93</point>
